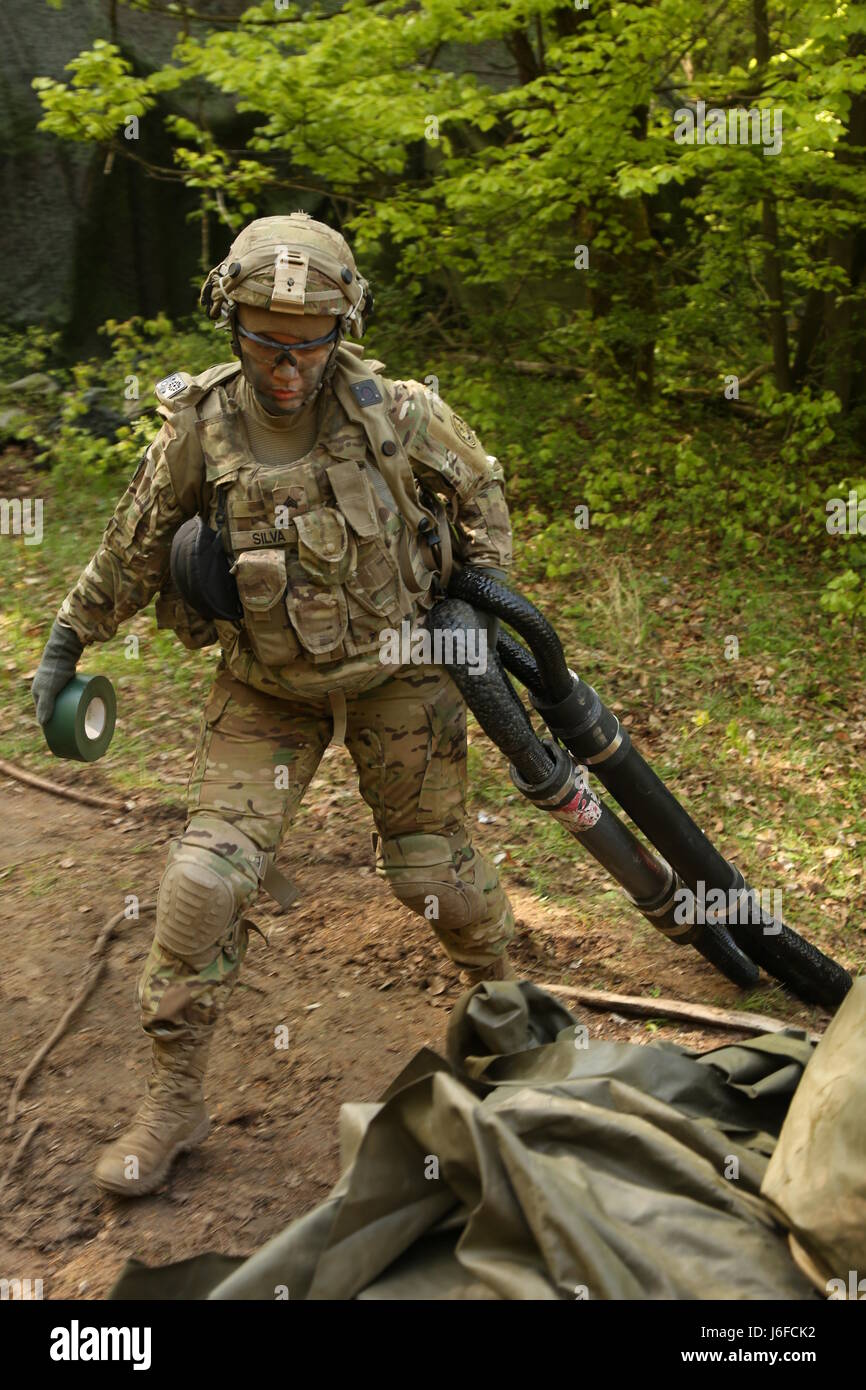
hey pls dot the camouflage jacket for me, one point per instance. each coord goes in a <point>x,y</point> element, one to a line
<point>318,588</point>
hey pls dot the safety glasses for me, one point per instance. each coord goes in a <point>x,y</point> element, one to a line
<point>271,351</point>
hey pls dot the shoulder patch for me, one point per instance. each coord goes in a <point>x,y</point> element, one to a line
<point>171,386</point>
<point>366,392</point>
<point>462,430</point>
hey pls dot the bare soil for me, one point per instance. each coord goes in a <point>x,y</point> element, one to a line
<point>360,983</point>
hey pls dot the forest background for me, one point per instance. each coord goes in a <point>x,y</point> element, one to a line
<point>661,338</point>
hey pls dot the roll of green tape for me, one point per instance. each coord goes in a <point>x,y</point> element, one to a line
<point>82,724</point>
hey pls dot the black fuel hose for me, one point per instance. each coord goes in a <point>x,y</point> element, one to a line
<point>547,775</point>
<point>502,715</point>
<point>475,587</point>
<point>576,716</point>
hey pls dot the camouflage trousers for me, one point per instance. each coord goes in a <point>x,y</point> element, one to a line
<point>255,758</point>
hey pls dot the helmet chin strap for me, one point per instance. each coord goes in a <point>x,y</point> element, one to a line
<point>232,317</point>
<point>331,364</point>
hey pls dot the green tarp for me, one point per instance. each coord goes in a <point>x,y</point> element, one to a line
<point>537,1164</point>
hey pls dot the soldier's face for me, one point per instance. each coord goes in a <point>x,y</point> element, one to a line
<point>284,388</point>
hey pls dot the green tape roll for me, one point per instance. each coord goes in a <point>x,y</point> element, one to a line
<point>82,724</point>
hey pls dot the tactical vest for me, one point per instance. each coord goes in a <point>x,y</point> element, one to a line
<point>324,555</point>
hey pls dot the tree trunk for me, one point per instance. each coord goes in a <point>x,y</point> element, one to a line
<point>845,324</point>
<point>778,326</point>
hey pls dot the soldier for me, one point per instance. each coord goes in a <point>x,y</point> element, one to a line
<point>316,478</point>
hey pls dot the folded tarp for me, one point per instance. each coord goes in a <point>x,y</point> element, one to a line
<point>536,1163</point>
<point>816,1178</point>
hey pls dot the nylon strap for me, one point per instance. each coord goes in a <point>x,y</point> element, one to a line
<point>280,888</point>
<point>395,468</point>
<point>317,257</point>
<point>338,709</point>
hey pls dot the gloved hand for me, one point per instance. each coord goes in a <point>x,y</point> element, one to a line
<point>56,669</point>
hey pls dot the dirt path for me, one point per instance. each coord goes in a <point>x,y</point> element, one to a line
<point>360,983</point>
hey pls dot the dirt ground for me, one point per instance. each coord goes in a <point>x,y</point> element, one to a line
<point>359,981</point>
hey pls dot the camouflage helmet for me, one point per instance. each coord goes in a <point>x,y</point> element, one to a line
<point>292,265</point>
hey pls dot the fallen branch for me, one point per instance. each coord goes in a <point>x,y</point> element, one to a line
<point>19,1150</point>
<point>93,970</point>
<point>58,789</point>
<point>720,402</point>
<point>523,368</point>
<point>707,1014</point>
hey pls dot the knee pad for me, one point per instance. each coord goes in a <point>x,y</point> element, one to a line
<point>444,880</point>
<point>422,872</point>
<point>212,875</point>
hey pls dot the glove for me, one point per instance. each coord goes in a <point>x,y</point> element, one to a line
<point>56,669</point>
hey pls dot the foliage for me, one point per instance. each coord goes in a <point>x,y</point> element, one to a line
<point>471,149</point>
<point>23,353</point>
<point>102,417</point>
<point>476,145</point>
<point>655,473</point>
<point>845,595</point>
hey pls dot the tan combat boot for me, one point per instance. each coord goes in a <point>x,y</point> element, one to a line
<point>500,969</point>
<point>171,1120</point>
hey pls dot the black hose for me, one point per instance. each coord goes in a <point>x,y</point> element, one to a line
<point>650,883</point>
<point>784,953</point>
<point>502,716</point>
<point>547,775</point>
<point>576,716</point>
<point>512,693</point>
<point>595,736</point>
<point>520,663</point>
<point>482,592</point>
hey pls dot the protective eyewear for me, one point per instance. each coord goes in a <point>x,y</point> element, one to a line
<point>267,348</point>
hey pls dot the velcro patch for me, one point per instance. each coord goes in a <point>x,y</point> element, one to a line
<point>462,430</point>
<point>171,386</point>
<point>366,392</point>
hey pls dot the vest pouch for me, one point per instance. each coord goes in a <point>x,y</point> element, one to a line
<point>261,578</point>
<point>375,595</point>
<point>324,547</point>
<point>320,618</point>
<point>378,593</point>
<point>173,612</point>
